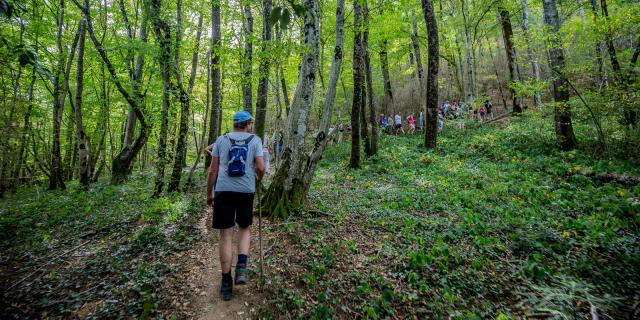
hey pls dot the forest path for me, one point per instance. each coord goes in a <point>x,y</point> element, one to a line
<point>205,278</point>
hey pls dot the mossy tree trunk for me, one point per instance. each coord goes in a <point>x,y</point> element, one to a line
<point>286,192</point>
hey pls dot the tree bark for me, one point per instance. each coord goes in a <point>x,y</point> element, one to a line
<point>469,57</point>
<point>373,137</point>
<point>537,98</point>
<point>416,52</point>
<point>358,86</point>
<point>431,115</point>
<point>247,60</point>
<point>286,192</point>
<point>562,110</point>
<point>216,94</point>
<point>507,33</point>
<point>323,135</point>
<point>263,76</point>
<point>184,96</point>
<point>56,179</point>
<point>384,63</point>
<point>162,32</point>
<point>84,149</point>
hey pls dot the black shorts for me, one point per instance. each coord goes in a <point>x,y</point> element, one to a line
<point>230,208</point>
<point>398,126</point>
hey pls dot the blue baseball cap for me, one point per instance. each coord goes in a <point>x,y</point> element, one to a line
<point>241,116</point>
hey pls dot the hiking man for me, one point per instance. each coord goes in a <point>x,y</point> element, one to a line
<point>237,162</point>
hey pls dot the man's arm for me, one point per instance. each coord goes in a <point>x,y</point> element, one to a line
<point>212,176</point>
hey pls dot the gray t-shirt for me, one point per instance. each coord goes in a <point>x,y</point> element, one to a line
<point>221,148</point>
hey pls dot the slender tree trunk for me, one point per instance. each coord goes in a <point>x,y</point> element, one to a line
<point>469,57</point>
<point>602,70</point>
<point>184,96</point>
<point>286,192</point>
<point>56,179</point>
<point>384,63</point>
<point>263,80</point>
<point>84,149</point>
<point>537,98</point>
<point>615,64</point>
<point>162,32</point>
<point>507,33</point>
<point>358,86</point>
<point>247,60</point>
<point>373,138</point>
<point>216,94</point>
<point>203,137</point>
<point>564,128</point>
<point>334,75</point>
<point>431,114</point>
<point>416,52</point>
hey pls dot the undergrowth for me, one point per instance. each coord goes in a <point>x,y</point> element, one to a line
<point>97,253</point>
<point>493,224</point>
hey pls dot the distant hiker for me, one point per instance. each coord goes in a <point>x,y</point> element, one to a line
<point>237,162</point>
<point>440,120</point>
<point>412,124</point>
<point>390,124</point>
<point>489,106</point>
<point>398,123</point>
<point>421,121</point>
<point>340,132</point>
<point>483,113</point>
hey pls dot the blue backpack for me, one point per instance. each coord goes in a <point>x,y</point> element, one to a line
<point>238,154</point>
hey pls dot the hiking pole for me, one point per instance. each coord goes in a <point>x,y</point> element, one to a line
<point>259,186</point>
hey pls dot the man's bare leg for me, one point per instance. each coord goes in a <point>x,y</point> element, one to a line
<point>226,240</point>
<point>244,240</point>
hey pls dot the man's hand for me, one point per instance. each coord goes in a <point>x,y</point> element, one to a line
<point>209,200</point>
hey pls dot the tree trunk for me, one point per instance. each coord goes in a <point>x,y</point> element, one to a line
<point>384,63</point>
<point>162,32</point>
<point>203,142</point>
<point>562,110</point>
<point>56,179</point>
<point>358,86</point>
<point>615,65</point>
<point>507,33</point>
<point>184,96</point>
<point>431,114</point>
<point>373,137</point>
<point>416,53</point>
<point>602,71</point>
<point>216,94</point>
<point>263,80</point>
<point>247,60</point>
<point>537,98</point>
<point>84,149</point>
<point>469,57</point>
<point>286,192</point>
<point>323,136</point>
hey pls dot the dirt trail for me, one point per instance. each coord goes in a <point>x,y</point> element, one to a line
<point>205,278</point>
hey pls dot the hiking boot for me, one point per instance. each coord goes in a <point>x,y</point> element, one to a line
<point>226,290</point>
<point>241,275</point>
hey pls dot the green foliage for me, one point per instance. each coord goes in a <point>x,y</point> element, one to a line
<point>493,225</point>
<point>111,241</point>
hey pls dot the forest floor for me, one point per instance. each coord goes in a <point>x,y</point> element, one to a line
<point>496,223</point>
